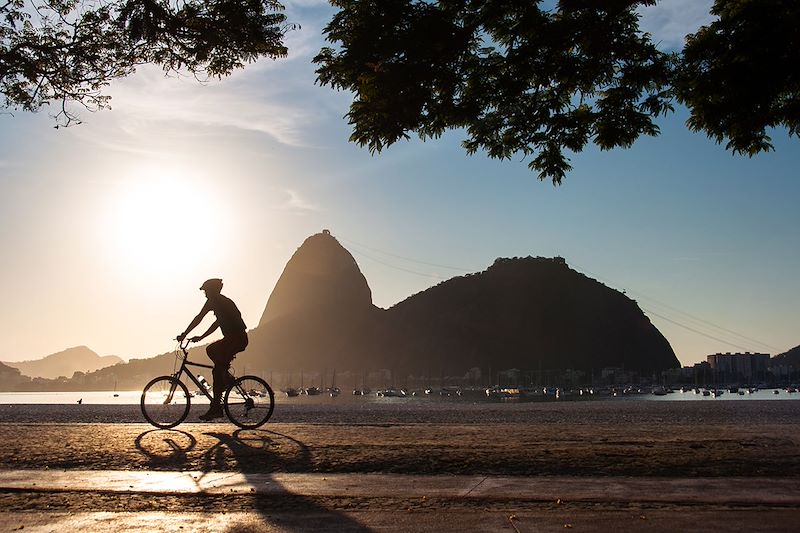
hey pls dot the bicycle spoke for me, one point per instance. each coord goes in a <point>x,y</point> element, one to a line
<point>249,402</point>
<point>165,402</point>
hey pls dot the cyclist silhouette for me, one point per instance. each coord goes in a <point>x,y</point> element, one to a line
<point>221,352</point>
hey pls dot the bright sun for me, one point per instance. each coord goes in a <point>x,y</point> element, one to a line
<point>162,220</point>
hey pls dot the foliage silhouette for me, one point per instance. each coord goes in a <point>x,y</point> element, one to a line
<point>58,51</point>
<point>518,78</point>
<point>739,75</point>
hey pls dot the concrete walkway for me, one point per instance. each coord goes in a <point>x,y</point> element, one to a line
<point>707,491</point>
<point>387,502</point>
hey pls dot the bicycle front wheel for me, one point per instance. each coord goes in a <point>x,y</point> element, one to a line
<point>165,402</point>
<point>249,402</point>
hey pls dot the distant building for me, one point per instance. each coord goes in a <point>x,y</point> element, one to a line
<point>746,365</point>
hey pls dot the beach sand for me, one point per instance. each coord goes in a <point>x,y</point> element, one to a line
<point>668,439</point>
<point>735,454</point>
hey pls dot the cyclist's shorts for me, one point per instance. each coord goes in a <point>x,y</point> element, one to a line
<point>226,348</point>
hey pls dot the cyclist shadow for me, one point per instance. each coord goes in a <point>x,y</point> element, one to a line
<point>254,454</point>
<point>255,451</point>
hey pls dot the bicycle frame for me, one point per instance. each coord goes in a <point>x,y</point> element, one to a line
<point>247,401</point>
<point>184,369</point>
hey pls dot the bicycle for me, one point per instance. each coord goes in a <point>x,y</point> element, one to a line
<point>248,401</point>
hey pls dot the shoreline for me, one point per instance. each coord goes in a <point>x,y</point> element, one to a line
<point>748,413</point>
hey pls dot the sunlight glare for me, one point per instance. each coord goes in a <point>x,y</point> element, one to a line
<point>164,224</point>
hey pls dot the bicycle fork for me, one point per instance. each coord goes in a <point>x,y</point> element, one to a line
<point>171,393</point>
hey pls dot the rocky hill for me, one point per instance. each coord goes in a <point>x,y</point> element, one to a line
<point>323,276</point>
<point>789,358</point>
<point>10,378</point>
<point>65,363</point>
<point>319,315</point>
<point>526,313</point>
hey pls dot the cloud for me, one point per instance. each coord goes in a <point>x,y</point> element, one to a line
<point>670,21</point>
<point>149,108</point>
<point>276,98</point>
<point>296,203</point>
<point>245,103</point>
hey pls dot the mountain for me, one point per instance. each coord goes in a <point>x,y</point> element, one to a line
<point>10,377</point>
<point>533,314</point>
<point>321,276</point>
<point>65,363</point>
<point>529,313</point>
<point>319,313</point>
<point>789,358</point>
<point>526,313</point>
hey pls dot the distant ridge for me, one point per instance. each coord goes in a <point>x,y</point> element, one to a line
<point>533,314</point>
<point>65,363</point>
<point>321,275</point>
<point>527,313</point>
<point>789,357</point>
<point>320,312</point>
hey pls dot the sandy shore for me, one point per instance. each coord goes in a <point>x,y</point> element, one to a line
<point>593,446</point>
<point>673,439</point>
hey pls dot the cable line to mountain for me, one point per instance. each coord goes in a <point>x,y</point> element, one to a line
<point>694,318</point>
<point>694,330</point>
<point>738,337</point>
<point>706,322</point>
<point>423,274</point>
<point>410,260</point>
<point>723,330</point>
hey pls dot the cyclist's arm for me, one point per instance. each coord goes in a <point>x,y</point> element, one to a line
<point>210,330</point>
<point>199,318</point>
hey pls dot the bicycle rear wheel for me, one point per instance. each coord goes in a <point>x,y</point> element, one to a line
<point>165,402</point>
<point>249,402</point>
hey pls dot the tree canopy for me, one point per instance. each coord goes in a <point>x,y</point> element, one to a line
<point>740,75</point>
<point>519,78</point>
<point>60,51</point>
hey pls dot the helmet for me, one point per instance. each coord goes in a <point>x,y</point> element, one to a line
<point>213,284</point>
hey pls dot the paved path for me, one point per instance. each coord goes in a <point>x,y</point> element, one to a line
<point>706,491</point>
<point>644,467</point>
<point>111,500</point>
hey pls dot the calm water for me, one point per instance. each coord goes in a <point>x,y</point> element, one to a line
<point>468,397</point>
<point>750,410</point>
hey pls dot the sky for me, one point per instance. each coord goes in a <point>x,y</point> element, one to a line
<point>108,228</point>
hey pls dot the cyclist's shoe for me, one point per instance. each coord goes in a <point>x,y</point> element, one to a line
<point>214,412</point>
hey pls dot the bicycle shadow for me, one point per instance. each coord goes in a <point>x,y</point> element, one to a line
<point>166,449</point>
<point>255,454</point>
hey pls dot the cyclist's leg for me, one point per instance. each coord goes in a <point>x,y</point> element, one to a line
<point>223,355</point>
<point>219,353</point>
<point>221,375</point>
